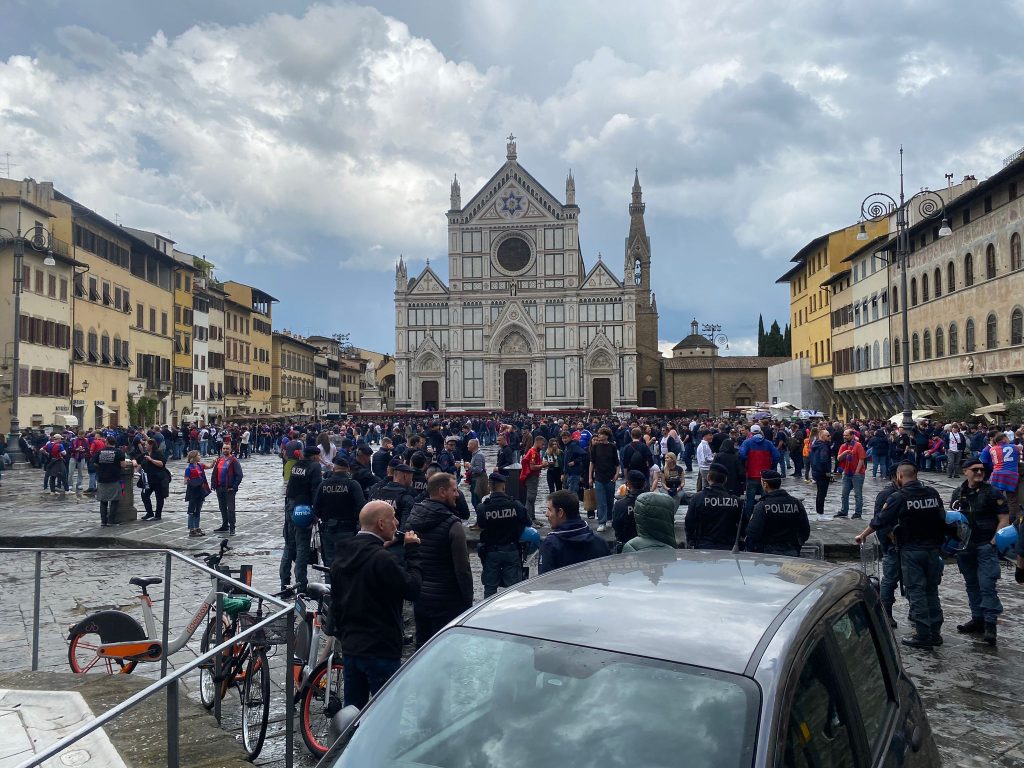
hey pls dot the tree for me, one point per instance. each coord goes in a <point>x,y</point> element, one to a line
<point>1015,411</point>
<point>133,411</point>
<point>959,407</point>
<point>787,340</point>
<point>760,335</point>
<point>774,344</point>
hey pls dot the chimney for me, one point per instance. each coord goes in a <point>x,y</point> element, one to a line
<point>969,183</point>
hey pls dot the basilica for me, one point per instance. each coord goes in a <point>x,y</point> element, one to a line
<point>523,323</point>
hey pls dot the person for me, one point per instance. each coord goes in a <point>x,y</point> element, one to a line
<point>506,455</point>
<point>476,467</point>
<point>890,556</point>
<point>447,588</point>
<point>672,478</point>
<point>728,458</point>
<point>778,525</point>
<point>1002,459</point>
<point>604,473</point>
<point>758,454</point>
<point>955,450</point>
<point>361,472</point>
<point>918,511</point>
<point>714,513</point>
<point>56,470</point>
<point>381,458</point>
<point>397,491</point>
<point>446,458</point>
<point>327,453</point>
<point>529,475</point>
<point>418,462</point>
<point>368,590</point>
<point>636,455</point>
<point>705,457</point>
<point>820,462</point>
<point>153,463</point>
<point>246,442</point>
<point>501,520</point>
<point>623,521</point>
<point>109,461</point>
<point>303,480</point>
<point>570,540</point>
<point>572,462</point>
<point>336,504</point>
<point>196,490</point>
<point>986,511</point>
<point>78,467</point>
<point>878,447</point>
<point>655,523</point>
<point>552,457</point>
<point>226,477</point>
<point>852,460</point>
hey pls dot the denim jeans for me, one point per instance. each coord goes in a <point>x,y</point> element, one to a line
<point>953,465</point>
<point>754,490</point>
<point>365,675</point>
<point>195,507</point>
<point>922,574</point>
<point>605,499</point>
<point>297,549</point>
<point>572,483</point>
<point>880,464</point>
<point>856,484</point>
<point>77,469</point>
<point>202,446</point>
<point>502,566</point>
<point>979,564</point>
<point>783,462</point>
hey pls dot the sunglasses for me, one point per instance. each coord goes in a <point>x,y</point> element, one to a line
<point>975,469</point>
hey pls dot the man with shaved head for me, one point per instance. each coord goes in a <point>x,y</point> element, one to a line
<point>368,587</point>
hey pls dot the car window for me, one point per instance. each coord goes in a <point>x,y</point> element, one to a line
<point>489,700</point>
<point>818,730</point>
<point>856,641</point>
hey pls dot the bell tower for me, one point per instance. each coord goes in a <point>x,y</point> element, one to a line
<point>638,247</point>
<point>638,275</point>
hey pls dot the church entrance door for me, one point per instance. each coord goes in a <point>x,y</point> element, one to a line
<point>515,390</point>
<point>429,395</point>
<point>602,394</point>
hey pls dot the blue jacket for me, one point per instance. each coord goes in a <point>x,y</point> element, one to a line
<point>758,454</point>
<point>571,542</point>
<point>821,459</point>
<point>573,453</point>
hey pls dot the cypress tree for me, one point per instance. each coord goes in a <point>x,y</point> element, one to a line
<point>760,335</point>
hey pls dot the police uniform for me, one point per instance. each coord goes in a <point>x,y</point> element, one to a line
<point>303,480</point>
<point>917,513</point>
<point>337,504</point>
<point>712,518</point>
<point>501,520</point>
<point>401,499</point>
<point>419,485</point>
<point>890,555</point>
<point>778,525</point>
<point>978,561</point>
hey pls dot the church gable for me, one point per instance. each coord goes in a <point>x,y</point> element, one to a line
<point>427,284</point>
<point>512,194</point>
<point>600,277</point>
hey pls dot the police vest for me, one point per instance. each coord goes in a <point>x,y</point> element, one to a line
<point>300,483</point>
<point>921,515</point>
<point>336,500</point>
<point>398,496</point>
<point>502,520</point>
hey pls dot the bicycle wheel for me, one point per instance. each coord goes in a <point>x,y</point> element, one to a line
<point>255,700</point>
<point>321,701</point>
<point>83,656</point>
<point>208,688</point>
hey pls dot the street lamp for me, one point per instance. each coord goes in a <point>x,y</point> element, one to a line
<point>713,331</point>
<point>38,239</point>
<point>879,206</point>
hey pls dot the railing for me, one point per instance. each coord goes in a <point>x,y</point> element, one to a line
<point>169,682</point>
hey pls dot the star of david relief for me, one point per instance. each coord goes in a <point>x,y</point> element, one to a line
<point>511,205</point>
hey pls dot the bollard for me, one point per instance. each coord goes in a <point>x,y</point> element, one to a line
<point>35,611</point>
<point>167,612</point>
<point>172,724</point>
<point>218,633</point>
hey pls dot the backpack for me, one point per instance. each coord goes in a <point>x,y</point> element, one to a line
<point>637,461</point>
<point>302,516</point>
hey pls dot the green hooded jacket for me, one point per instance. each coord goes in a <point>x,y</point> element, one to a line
<point>655,523</point>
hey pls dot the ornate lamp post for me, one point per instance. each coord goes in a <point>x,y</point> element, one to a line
<point>38,239</point>
<point>879,206</point>
<point>714,333</point>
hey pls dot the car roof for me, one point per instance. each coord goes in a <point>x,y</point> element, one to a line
<point>710,609</point>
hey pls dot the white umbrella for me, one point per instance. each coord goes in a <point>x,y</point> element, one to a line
<point>915,415</point>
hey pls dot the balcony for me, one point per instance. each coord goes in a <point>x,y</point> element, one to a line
<point>163,385</point>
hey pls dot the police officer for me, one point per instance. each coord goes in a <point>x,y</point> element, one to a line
<point>303,480</point>
<point>778,524</point>
<point>890,555</point>
<point>623,521</point>
<point>381,460</point>
<point>361,471</point>
<point>986,510</point>
<point>446,458</point>
<point>418,461</point>
<point>337,503</point>
<point>397,492</point>
<point>713,514</point>
<point>501,520</point>
<point>919,517</point>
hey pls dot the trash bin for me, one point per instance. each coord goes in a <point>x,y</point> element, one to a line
<point>512,485</point>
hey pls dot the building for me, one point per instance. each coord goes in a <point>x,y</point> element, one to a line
<point>293,376</point>
<point>965,311</point>
<point>327,367</point>
<point>253,308</point>
<point>200,342</point>
<point>522,322</point>
<point>183,395</point>
<point>46,320</point>
<point>237,358</point>
<point>352,369</point>
<point>215,297</point>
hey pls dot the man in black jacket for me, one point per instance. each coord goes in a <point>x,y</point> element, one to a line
<point>369,588</point>
<point>447,577</point>
<point>501,520</point>
<point>361,471</point>
<point>381,459</point>
<point>623,522</point>
<point>303,481</point>
<point>713,514</point>
<point>571,540</point>
<point>778,525</point>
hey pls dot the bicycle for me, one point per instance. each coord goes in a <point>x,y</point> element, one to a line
<point>319,672</point>
<point>115,638</point>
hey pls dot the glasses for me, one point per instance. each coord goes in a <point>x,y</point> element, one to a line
<point>975,469</point>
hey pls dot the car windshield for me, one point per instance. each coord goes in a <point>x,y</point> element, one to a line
<point>488,700</point>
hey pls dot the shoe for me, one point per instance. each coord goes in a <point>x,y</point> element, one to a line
<point>841,517</point>
<point>936,640</point>
<point>149,516</point>
<point>972,627</point>
<point>231,532</point>
<point>856,517</point>
<point>990,633</point>
<point>104,525</point>
<point>916,641</point>
<point>194,532</point>
<point>222,529</point>
<point>601,528</point>
<point>200,532</point>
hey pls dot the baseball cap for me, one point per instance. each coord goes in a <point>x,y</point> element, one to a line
<point>756,428</point>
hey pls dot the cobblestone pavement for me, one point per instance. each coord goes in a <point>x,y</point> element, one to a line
<point>971,691</point>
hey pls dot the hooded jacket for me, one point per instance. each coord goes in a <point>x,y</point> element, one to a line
<point>655,523</point>
<point>571,542</point>
<point>447,576</point>
<point>758,454</point>
<point>369,585</point>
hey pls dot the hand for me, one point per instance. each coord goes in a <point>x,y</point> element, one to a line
<point>859,538</point>
<point>411,537</point>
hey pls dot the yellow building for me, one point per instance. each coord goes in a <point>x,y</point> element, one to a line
<point>184,337</point>
<point>252,308</point>
<point>809,306</point>
<point>292,380</point>
<point>237,359</point>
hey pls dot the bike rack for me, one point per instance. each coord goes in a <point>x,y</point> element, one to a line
<point>167,681</point>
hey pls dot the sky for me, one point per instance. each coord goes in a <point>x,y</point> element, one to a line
<point>303,146</point>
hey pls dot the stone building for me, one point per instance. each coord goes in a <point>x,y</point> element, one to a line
<point>523,322</point>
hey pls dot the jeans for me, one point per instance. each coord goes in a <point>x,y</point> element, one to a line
<point>783,462</point>
<point>226,503</point>
<point>77,469</point>
<point>922,574</point>
<point>195,500</point>
<point>572,483</point>
<point>890,574</point>
<point>880,464</point>
<point>502,567</point>
<point>296,550</point>
<point>202,446</point>
<point>754,491</point>
<point>798,464</point>
<point>856,484</point>
<point>953,465</point>
<point>980,566</point>
<point>605,499</point>
<point>92,480</point>
<point>365,675</point>
<point>822,484</point>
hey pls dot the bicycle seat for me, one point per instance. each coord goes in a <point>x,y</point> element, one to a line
<point>318,591</point>
<point>148,581</point>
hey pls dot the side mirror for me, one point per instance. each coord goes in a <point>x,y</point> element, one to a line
<point>342,719</point>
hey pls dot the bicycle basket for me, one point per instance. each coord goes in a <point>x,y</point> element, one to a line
<point>235,605</point>
<point>275,633</point>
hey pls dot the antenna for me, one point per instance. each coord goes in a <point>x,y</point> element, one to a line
<point>8,165</point>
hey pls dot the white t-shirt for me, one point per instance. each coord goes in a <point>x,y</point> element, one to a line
<point>245,437</point>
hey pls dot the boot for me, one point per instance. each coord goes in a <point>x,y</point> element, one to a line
<point>990,633</point>
<point>917,641</point>
<point>972,627</point>
<point>888,614</point>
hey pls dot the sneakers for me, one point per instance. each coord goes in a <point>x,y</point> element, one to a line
<point>196,532</point>
<point>601,528</point>
<point>972,627</point>
<point>231,532</point>
<point>149,516</point>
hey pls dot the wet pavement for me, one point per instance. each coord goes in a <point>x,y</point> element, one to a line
<point>971,691</point>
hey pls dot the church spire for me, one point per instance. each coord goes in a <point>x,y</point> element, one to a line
<point>456,195</point>
<point>570,189</point>
<point>637,206</point>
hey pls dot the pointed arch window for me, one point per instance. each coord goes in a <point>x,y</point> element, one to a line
<point>938,282</point>
<point>895,299</point>
<point>940,344</point>
<point>885,353</point>
<point>954,340</point>
<point>927,339</point>
<point>875,357</point>
<point>990,262</point>
<point>950,277</point>
<point>991,331</point>
<point>1015,261</point>
<point>924,287</point>
<point>915,348</point>
<point>896,351</point>
<point>968,270</point>
<point>913,291</point>
<point>969,336</point>
<point>1017,327</point>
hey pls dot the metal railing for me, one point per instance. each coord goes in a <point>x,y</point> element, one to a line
<point>170,682</point>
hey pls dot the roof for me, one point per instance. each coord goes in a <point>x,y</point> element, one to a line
<point>836,277</point>
<point>871,245</point>
<point>694,341</point>
<point>84,211</point>
<point>704,608</point>
<point>697,362</point>
<point>287,337</point>
<point>801,255</point>
<point>796,268</point>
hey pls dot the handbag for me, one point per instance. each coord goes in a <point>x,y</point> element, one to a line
<point>590,500</point>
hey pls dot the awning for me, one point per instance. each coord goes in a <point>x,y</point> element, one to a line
<point>783,406</point>
<point>66,419</point>
<point>915,415</point>
<point>996,408</point>
<point>104,408</point>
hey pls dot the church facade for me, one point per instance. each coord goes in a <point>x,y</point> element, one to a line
<point>523,323</point>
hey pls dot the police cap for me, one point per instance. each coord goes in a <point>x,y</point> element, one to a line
<point>395,462</point>
<point>341,461</point>
<point>496,477</point>
<point>719,469</point>
<point>311,450</point>
<point>770,474</point>
<point>364,449</point>
<point>403,468</point>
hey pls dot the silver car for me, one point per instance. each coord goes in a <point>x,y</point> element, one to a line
<point>656,659</point>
